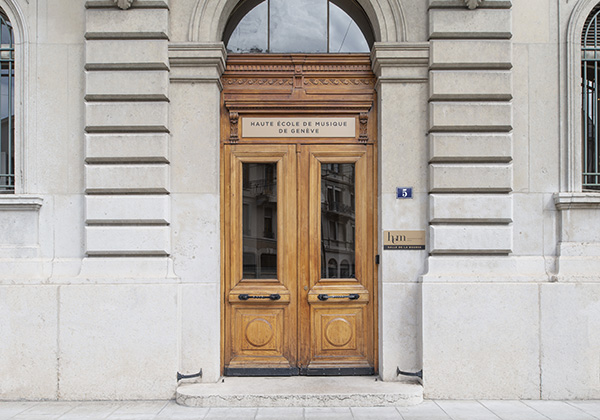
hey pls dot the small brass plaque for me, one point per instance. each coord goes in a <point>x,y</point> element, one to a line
<point>403,239</point>
<point>269,127</point>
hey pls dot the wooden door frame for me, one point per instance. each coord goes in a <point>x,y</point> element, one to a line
<point>305,84</point>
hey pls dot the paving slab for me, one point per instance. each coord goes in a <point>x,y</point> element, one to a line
<point>327,413</point>
<point>428,410</point>
<point>279,413</point>
<point>559,410</point>
<point>375,413</point>
<point>591,407</point>
<point>466,410</point>
<point>513,410</point>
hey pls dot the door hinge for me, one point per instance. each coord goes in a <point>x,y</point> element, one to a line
<point>377,259</point>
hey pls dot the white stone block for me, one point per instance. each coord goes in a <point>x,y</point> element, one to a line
<point>128,240</point>
<point>580,225</point>
<point>400,329</point>
<point>201,330</point>
<point>485,269</point>
<point>470,208</point>
<point>119,269</point>
<point>470,54</point>
<point>196,233</point>
<point>570,334</point>
<point>464,23</point>
<point>126,85</point>
<point>28,359</point>
<point>103,209</point>
<point>127,178</point>
<point>19,220</point>
<point>118,342</point>
<point>127,116</point>
<point>115,24</point>
<point>471,239</point>
<point>126,54</point>
<point>111,148</point>
<point>470,147</point>
<point>481,341</point>
<point>457,178</point>
<point>474,85</point>
<point>195,140</point>
<point>470,116</point>
<point>528,226</point>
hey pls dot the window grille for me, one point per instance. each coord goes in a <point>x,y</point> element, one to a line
<point>590,61</point>
<point>7,115</point>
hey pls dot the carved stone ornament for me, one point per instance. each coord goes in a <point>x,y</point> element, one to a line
<point>472,4</point>
<point>124,4</point>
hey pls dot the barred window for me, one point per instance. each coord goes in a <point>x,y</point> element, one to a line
<point>7,106</point>
<point>590,67</point>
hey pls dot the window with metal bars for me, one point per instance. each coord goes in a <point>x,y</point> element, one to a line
<point>590,75</point>
<point>7,108</point>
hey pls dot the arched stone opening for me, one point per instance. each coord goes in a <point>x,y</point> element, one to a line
<point>210,17</point>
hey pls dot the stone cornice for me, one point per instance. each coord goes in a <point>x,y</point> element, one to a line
<point>197,62</point>
<point>20,202</point>
<point>578,200</point>
<point>401,61</point>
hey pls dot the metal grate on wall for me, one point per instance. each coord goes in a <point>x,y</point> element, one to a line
<point>7,114</point>
<point>590,67</point>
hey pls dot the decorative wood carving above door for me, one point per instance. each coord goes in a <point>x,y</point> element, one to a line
<point>315,84</point>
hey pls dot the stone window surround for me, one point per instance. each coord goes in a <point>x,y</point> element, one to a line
<point>571,155</point>
<point>21,100</point>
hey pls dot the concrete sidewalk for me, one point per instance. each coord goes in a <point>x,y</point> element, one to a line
<point>428,410</point>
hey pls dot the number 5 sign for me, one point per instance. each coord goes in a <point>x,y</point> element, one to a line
<point>404,192</point>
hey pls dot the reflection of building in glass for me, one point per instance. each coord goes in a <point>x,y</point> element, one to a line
<point>337,220</point>
<point>260,220</point>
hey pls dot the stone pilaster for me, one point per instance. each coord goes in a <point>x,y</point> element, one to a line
<point>127,159</point>
<point>402,75</point>
<point>470,125</point>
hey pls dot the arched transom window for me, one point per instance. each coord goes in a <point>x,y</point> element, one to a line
<point>298,26</point>
<point>590,73</point>
<point>7,113</point>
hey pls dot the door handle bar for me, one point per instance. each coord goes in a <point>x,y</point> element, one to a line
<point>351,296</point>
<point>245,296</point>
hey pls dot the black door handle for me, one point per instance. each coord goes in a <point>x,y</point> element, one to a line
<point>274,296</point>
<point>351,296</point>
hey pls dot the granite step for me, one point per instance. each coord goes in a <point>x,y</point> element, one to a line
<point>300,391</point>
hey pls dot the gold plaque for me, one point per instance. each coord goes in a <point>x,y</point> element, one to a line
<point>298,127</point>
<point>403,239</point>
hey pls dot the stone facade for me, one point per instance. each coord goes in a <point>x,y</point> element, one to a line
<point>110,270</point>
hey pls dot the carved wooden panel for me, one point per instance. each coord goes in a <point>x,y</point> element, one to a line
<point>259,331</point>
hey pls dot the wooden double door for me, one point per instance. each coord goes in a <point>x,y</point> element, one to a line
<point>299,244</point>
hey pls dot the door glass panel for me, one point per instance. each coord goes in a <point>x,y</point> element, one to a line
<point>289,23</point>
<point>259,222</point>
<point>337,220</point>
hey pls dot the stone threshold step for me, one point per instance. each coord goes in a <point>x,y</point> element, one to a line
<point>300,391</point>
